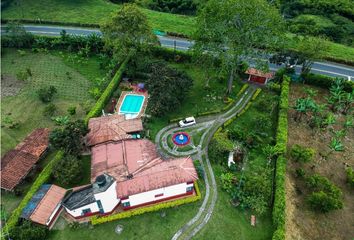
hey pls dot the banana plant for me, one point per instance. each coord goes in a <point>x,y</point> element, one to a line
<point>336,145</point>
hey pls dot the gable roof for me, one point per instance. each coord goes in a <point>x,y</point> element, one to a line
<point>256,72</point>
<point>112,128</point>
<point>43,203</point>
<point>18,162</point>
<point>137,167</point>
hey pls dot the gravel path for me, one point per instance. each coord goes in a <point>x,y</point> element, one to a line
<point>209,125</point>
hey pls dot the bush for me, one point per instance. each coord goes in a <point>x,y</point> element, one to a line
<point>29,231</point>
<point>50,110</point>
<point>219,146</point>
<point>72,110</point>
<point>200,170</point>
<point>300,172</point>
<point>350,176</point>
<point>68,170</point>
<point>325,196</point>
<point>46,94</point>
<point>302,154</point>
<point>324,81</point>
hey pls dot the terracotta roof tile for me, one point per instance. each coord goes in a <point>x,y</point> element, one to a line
<point>17,163</point>
<point>255,72</point>
<point>47,205</point>
<point>112,128</point>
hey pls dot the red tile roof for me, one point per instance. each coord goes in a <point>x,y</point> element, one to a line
<point>17,163</point>
<point>139,159</point>
<point>48,204</point>
<point>255,72</point>
<point>111,128</point>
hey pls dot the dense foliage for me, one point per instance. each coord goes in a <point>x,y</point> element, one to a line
<point>302,154</point>
<point>325,195</point>
<point>46,94</point>
<point>187,7</point>
<point>69,138</point>
<point>29,231</point>
<point>68,170</point>
<point>167,88</point>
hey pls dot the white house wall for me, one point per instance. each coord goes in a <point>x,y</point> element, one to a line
<point>149,196</point>
<point>77,212</point>
<point>108,198</point>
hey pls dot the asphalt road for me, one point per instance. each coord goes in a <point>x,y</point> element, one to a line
<point>325,68</point>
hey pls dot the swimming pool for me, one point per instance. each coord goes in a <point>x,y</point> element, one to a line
<point>131,105</point>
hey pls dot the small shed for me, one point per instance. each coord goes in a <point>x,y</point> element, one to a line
<point>258,76</point>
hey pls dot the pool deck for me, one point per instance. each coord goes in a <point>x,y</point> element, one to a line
<point>135,92</point>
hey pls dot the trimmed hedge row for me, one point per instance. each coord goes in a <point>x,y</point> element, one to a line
<point>324,81</point>
<point>106,95</point>
<point>278,214</point>
<point>138,211</point>
<point>243,89</point>
<point>58,23</point>
<point>41,179</point>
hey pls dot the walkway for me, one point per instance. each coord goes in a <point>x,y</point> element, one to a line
<point>209,125</point>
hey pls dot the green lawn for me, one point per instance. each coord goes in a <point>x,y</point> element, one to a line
<point>146,226</point>
<point>47,69</point>
<point>198,99</point>
<point>91,11</point>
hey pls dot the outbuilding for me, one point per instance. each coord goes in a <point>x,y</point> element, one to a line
<point>258,76</point>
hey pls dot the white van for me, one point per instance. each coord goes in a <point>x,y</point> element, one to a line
<point>189,121</point>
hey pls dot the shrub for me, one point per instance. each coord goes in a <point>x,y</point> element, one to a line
<point>22,75</point>
<point>350,176</point>
<point>219,146</point>
<point>71,110</point>
<point>68,170</point>
<point>49,110</point>
<point>243,89</point>
<point>325,196</point>
<point>61,120</point>
<point>300,172</point>
<point>29,231</point>
<point>324,81</point>
<point>200,170</point>
<point>302,154</point>
<point>227,181</point>
<point>46,94</point>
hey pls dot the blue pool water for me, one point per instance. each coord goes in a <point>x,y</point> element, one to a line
<point>131,104</point>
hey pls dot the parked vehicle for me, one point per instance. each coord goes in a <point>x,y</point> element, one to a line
<point>189,121</point>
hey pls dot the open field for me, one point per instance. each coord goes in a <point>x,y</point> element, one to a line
<point>25,106</point>
<point>97,11</point>
<point>303,223</point>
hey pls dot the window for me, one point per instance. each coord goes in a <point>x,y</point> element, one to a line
<point>189,189</point>
<point>100,207</point>
<point>158,195</point>
<point>126,204</point>
<point>86,211</point>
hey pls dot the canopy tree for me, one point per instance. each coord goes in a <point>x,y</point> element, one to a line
<point>235,30</point>
<point>127,32</point>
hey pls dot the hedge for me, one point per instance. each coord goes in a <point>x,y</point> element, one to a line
<point>58,23</point>
<point>40,180</point>
<point>243,89</point>
<point>106,95</point>
<point>258,91</point>
<point>209,112</point>
<point>138,211</point>
<point>278,214</point>
<point>324,81</point>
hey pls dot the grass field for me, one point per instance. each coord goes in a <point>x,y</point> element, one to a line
<point>97,11</point>
<point>91,11</point>
<point>47,69</point>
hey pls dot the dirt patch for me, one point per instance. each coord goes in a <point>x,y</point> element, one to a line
<point>10,86</point>
<point>302,223</point>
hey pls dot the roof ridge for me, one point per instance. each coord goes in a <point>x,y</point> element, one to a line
<point>143,167</point>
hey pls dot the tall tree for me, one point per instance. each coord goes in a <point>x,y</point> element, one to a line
<point>127,32</point>
<point>235,30</point>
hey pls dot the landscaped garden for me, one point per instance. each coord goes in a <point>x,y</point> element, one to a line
<point>319,185</point>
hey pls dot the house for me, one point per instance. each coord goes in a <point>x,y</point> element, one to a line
<point>45,205</point>
<point>258,76</point>
<point>127,174</point>
<point>18,162</point>
<point>112,128</point>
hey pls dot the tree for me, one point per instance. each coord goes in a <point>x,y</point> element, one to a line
<point>219,146</point>
<point>167,88</point>
<point>29,231</point>
<point>127,32</point>
<point>235,30</point>
<point>68,170</point>
<point>69,138</point>
<point>17,35</point>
